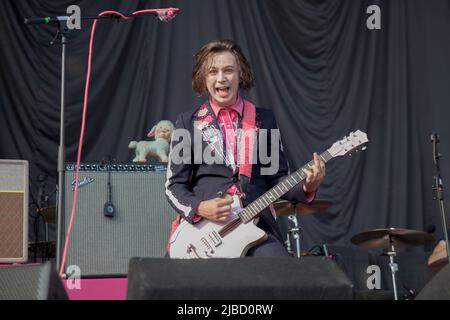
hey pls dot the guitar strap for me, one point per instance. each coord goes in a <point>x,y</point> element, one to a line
<point>246,143</point>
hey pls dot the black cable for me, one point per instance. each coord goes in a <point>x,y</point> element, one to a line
<point>36,236</point>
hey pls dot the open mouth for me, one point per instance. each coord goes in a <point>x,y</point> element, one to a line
<point>223,91</point>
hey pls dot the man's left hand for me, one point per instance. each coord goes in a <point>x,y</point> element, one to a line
<point>314,175</point>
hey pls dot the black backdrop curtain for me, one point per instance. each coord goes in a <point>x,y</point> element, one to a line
<point>316,64</point>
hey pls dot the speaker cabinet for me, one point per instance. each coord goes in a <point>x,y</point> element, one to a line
<point>13,210</point>
<point>438,288</point>
<point>101,245</point>
<point>241,278</point>
<point>31,282</point>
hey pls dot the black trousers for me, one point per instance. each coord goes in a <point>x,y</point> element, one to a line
<point>272,247</point>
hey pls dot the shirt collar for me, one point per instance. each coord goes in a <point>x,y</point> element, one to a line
<point>238,106</point>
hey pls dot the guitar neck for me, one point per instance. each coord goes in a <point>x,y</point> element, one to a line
<point>256,207</point>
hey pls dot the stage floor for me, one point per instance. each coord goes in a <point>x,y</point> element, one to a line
<point>97,289</point>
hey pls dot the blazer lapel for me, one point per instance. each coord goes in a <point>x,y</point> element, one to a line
<point>206,121</point>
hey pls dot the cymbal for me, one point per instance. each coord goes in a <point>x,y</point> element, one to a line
<point>285,208</point>
<point>382,238</point>
<point>41,243</point>
<point>302,254</point>
<point>49,214</point>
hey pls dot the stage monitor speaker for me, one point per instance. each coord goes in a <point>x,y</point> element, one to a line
<point>241,278</point>
<point>31,282</point>
<point>101,245</point>
<point>438,288</point>
<point>13,211</point>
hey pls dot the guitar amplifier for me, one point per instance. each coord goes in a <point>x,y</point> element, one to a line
<point>13,210</point>
<point>102,245</point>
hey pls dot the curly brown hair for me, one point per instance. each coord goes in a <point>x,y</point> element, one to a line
<point>246,80</point>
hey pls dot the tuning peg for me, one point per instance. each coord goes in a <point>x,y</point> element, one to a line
<point>364,148</point>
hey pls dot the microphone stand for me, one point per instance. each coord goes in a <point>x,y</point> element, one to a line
<point>164,15</point>
<point>438,189</point>
<point>63,31</point>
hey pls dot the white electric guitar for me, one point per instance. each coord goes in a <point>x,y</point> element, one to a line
<point>233,238</point>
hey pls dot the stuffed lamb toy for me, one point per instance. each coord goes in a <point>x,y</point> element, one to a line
<point>159,148</point>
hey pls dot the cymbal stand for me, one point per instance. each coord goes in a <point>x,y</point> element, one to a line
<point>295,231</point>
<point>393,266</point>
<point>438,189</point>
<point>288,243</point>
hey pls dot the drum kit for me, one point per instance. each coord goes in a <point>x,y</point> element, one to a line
<point>49,214</point>
<point>389,239</point>
<point>292,210</point>
<point>47,248</point>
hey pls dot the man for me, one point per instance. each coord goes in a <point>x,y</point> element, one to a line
<point>195,188</point>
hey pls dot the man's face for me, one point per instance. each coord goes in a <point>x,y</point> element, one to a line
<point>222,78</point>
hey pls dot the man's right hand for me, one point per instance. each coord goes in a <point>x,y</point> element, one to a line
<point>217,209</point>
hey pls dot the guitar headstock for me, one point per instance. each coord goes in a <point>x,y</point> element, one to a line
<point>355,141</point>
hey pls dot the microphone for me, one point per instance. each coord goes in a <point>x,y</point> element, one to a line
<point>46,20</point>
<point>165,15</point>
<point>108,209</point>
<point>434,137</point>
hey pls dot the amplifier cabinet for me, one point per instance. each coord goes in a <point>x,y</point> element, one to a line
<point>13,210</point>
<point>101,245</point>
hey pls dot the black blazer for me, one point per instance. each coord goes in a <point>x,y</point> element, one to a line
<point>189,183</point>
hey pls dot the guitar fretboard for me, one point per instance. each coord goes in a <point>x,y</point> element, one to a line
<point>253,209</point>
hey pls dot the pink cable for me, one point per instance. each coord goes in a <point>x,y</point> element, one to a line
<point>164,15</point>
<point>80,143</point>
